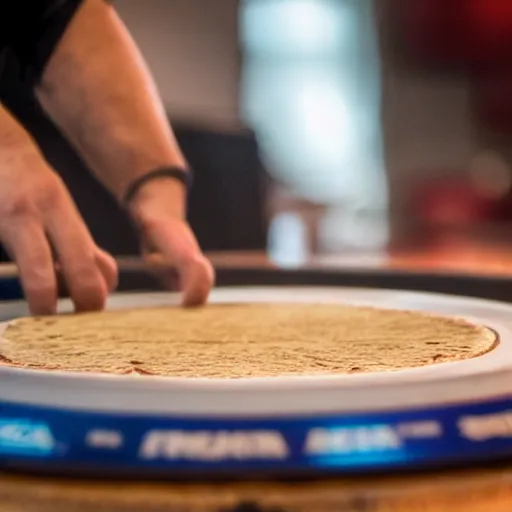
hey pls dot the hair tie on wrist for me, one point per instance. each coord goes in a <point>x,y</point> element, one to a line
<point>180,174</point>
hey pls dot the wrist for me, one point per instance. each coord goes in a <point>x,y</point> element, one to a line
<point>158,198</point>
<point>179,173</point>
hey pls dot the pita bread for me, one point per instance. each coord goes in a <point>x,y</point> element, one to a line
<point>244,340</point>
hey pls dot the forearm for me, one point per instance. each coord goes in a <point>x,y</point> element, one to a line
<point>100,93</point>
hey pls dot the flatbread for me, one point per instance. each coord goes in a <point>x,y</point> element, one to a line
<point>242,340</point>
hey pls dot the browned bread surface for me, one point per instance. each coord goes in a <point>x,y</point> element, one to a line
<point>242,340</point>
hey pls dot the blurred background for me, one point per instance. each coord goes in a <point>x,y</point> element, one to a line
<point>329,127</point>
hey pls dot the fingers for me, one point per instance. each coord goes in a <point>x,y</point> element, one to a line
<point>28,246</point>
<point>159,211</point>
<point>38,220</point>
<point>196,281</point>
<point>108,267</point>
<point>165,273</point>
<point>177,245</point>
<point>79,258</point>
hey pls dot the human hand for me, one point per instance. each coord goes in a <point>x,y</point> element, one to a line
<point>121,140</point>
<point>43,232</point>
<point>167,240</point>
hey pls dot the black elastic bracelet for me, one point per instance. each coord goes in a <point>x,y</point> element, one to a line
<point>178,173</point>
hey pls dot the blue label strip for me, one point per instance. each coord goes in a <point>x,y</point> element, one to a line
<point>360,442</point>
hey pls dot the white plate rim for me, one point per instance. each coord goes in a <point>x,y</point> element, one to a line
<point>481,378</point>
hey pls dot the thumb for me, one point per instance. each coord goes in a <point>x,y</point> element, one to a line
<point>176,245</point>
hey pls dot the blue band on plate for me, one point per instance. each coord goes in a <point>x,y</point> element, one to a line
<point>40,437</point>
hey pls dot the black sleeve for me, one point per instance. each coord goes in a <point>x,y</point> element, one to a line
<point>31,30</point>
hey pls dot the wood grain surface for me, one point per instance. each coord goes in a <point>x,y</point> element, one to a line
<point>474,490</point>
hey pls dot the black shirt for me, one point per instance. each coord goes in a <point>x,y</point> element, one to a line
<point>29,32</point>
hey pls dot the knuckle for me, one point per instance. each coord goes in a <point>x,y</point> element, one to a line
<point>111,276</point>
<point>206,274</point>
<point>88,288</point>
<point>31,199</point>
<point>50,194</point>
<point>86,279</point>
<point>202,274</point>
<point>39,270</point>
<point>39,279</point>
<point>202,265</point>
<point>18,206</point>
<point>150,225</point>
<point>40,291</point>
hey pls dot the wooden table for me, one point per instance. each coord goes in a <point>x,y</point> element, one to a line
<point>470,490</point>
<point>464,491</point>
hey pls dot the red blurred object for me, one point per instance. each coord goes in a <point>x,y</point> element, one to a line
<point>490,25</point>
<point>491,22</point>
<point>493,101</point>
<point>435,30</point>
<point>491,17</point>
<point>451,203</point>
<point>457,32</point>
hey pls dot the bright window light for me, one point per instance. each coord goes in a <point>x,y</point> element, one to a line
<point>311,92</point>
<point>295,27</point>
